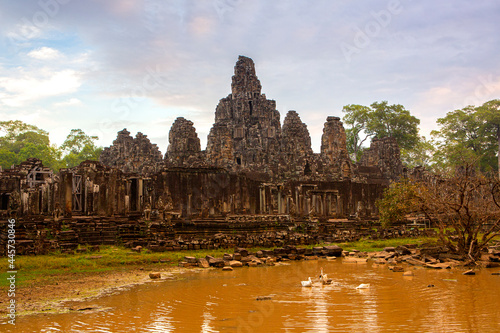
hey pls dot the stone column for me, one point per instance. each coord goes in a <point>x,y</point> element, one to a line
<point>188,209</point>
<point>263,204</point>
<point>280,204</point>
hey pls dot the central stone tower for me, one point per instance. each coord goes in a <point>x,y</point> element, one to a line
<point>247,132</point>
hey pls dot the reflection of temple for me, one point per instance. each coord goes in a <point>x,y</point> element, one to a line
<point>252,165</point>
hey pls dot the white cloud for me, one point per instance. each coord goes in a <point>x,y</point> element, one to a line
<point>17,89</point>
<point>70,102</point>
<point>45,53</point>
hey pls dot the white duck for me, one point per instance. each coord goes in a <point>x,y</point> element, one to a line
<point>307,283</point>
<point>363,286</point>
<point>324,278</point>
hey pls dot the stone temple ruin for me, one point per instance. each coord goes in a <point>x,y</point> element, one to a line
<point>253,170</point>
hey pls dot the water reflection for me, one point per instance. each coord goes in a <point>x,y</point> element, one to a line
<point>271,299</point>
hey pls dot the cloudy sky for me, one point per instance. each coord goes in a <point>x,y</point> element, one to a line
<point>105,65</point>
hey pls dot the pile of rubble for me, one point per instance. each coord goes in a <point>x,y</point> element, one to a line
<point>429,256</point>
<point>434,257</point>
<point>242,257</point>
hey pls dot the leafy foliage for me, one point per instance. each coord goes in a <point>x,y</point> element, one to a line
<point>473,133</point>
<point>397,202</point>
<point>378,121</point>
<point>466,201</point>
<point>20,141</point>
<point>422,154</point>
<point>79,147</point>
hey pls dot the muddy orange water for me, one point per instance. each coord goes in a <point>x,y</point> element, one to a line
<point>217,301</point>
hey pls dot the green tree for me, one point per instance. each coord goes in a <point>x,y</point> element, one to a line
<point>7,158</point>
<point>489,113</point>
<point>379,120</point>
<point>13,128</point>
<point>394,121</point>
<point>468,133</point>
<point>398,201</point>
<point>356,118</point>
<point>422,154</point>
<point>79,147</point>
<point>21,141</point>
<point>50,155</point>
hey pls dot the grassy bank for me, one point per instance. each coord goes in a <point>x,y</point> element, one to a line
<point>47,268</point>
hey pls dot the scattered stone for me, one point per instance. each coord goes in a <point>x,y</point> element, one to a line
<point>227,268</point>
<point>94,257</point>
<point>408,273</point>
<point>469,272</point>
<point>443,265</point>
<point>203,263</point>
<point>137,249</point>
<point>397,269</point>
<point>217,262</point>
<point>243,252</point>
<point>490,264</point>
<point>86,309</point>
<point>403,250</point>
<point>354,260</point>
<point>235,263</point>
<point>191,260</point>
<point>264,298</point>
<point>269,262</point>
<point>380,261</point>
<point>155,275</point>
<point>494,258</point>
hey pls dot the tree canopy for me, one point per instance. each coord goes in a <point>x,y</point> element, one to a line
<point>472,132</point>
<point>20,141</point>
<point>378,121</point>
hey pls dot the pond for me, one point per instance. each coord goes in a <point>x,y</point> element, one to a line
<point>271,299</point>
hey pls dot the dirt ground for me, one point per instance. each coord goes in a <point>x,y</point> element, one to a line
<point>63,293</point>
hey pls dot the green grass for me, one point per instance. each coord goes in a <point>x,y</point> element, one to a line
<point>379,245</point>
<point>36,269</point>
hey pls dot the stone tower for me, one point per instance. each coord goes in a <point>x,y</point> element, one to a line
<point>334,148</point>
<point>385,154</point>
<point>296,150</point>
<point>137,155</point>
<point>184,147</point>
<point>247,130</point>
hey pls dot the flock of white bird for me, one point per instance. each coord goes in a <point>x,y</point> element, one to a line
<point>323,279</point>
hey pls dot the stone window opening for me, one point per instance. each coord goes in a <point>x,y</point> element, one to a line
<point>251,107</point>
<point>307,169</point>
<point>238,160</point>
<point>4,201</point>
